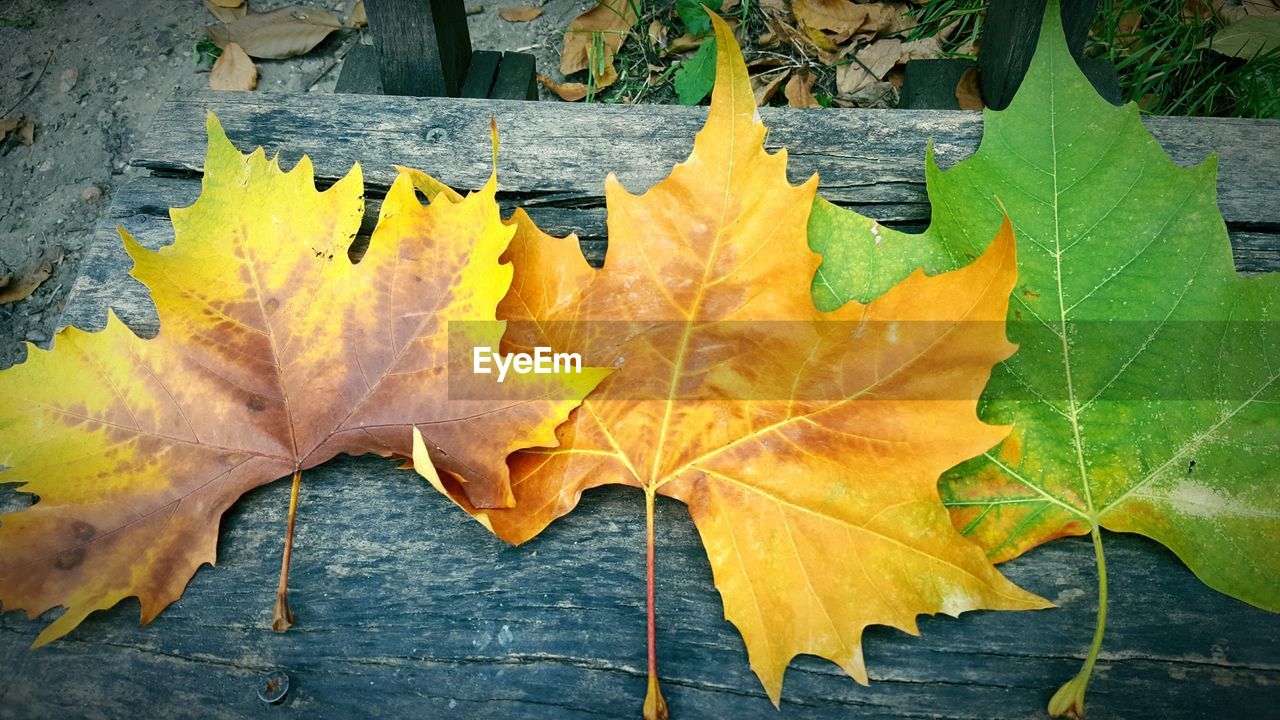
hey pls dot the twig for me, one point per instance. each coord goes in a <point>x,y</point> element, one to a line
<point>31,89</point>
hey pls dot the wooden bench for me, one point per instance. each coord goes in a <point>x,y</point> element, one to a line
<point>407,608</point>
<point>422,48</point>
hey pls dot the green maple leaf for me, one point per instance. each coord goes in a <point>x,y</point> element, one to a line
<point>1145,394</point>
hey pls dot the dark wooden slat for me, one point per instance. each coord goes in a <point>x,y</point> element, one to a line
<point>360,72</point>
<point>423,45</point>
<point>931,84</point>
<point>517,78</point>
<point>863,156</point>
<point>407,608</point>
<point>480,74</point>
<point>1009,37</point>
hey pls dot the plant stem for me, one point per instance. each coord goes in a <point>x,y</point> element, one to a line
<point>284,619</point>
<point>1098,631</point>
<point>655,708</point>
<point>1068,701</point>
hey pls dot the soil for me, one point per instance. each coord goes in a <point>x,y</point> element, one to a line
<point>91,74</point>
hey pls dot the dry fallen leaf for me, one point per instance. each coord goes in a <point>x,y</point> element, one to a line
<point>594,37</point>
<point>683,44</point>
<point>571,91</point>
<point>800,89</point>
<point>820,515</point>
<point>765,85</point>
<point>519,13</point>
<point>872,63</point>
<point>1230,11</point>
<point>359,17</point>
<point>233,70</point>
<point>23,282</point>
<point>226,14</point>
<point>275,353</point>
<point>278,34</point>
<point>969,90</point>
<point>841,18</point>
<point>8,125</point>
<point>658,35</point>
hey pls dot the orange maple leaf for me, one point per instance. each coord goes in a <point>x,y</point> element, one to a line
<point>275,354</point>
<point>818,505</point>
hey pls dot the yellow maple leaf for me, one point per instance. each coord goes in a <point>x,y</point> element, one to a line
<point>819,510</point>
<point>275,353</point>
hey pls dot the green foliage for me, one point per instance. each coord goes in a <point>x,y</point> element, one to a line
<point>696,21</point>
<point>696,76</point>
<point>205,52</point>
<point>1165,66</point>
<point>1145,389</point>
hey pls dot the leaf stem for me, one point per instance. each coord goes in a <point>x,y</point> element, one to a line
<point>283,618</point>
<point>1068,701</point>
<point>1092,658</point>
<point>655,707</point>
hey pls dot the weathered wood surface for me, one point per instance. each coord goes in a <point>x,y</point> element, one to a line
<point>408,608</point>
<point>554,157</point>
<point>423,45</point>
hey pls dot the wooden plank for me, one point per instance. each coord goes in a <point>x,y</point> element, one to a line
<point>480,74</point>
<point>360,72</point>
<point>931,84</point>
<point>561,150</point>
<point>1009,38</point>
<point>407,608</point>
<point>142,208</point>
<point>517,78</point>
<point>423,45</point>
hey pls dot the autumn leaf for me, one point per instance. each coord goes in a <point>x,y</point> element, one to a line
<point>819,511</point>
<point>593,38</point>
<point>1144,394</point>
<point>277,34</point>
<point>520,13</point>
<point>275,353</point>
<point>233,70</point>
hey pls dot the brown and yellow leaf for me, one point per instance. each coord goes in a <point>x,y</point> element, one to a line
<point>225,12</point>
<point>277,34</point>
<point>520,13</point>
<point>570,91</point>
<point>359,17</point>
<point>969,90</point>
<point>799,90</point>
<point>275,353</point>
<point>765,85</point>
<point>593,38</point>
<point>233,70</point>
<point>807,445</point>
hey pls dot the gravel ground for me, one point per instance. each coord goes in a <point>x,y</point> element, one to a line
<point>113,63</point>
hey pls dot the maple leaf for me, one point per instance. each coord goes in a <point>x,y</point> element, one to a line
<point>275,354</point>
<point>1144,392</point>
<point>819,511</point>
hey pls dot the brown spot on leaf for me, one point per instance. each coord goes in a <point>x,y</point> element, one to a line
<point>256,403</point>
<point>69,559</point>
<point>272,305</point>
<point>83,531</point>
<point>1030,294</point>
